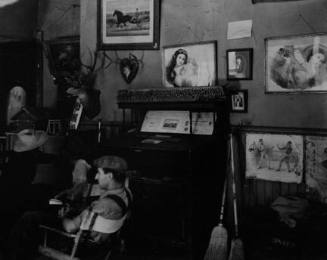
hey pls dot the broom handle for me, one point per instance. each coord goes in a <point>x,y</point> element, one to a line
<point>222,209</point>
<point>233,185</point>
<point>223,199</point>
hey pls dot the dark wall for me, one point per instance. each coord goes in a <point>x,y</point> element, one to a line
<point>19,66</point>
<point>56,19</point>
<point>18,20</point>
<point>18,52</point>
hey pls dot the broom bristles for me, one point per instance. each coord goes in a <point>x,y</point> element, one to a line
<point>217,249</point>
<point>236,250</point>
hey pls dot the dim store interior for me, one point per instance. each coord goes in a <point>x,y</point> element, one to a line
<point>161,129</point>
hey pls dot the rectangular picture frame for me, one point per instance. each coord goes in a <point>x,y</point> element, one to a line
<point>296,64</point>
<point>239,64</point>
<point>63,55</point>
<point>239,101</point>
<point>198,66</point>
<point>128,24</point>
<point>316,166</point>
<point>274,157</point>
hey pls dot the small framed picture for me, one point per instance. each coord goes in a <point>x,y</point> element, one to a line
<point>239,101</point>
<point>239,64</point>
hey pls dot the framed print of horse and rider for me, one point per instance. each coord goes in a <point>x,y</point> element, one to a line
<point>274,157</point>
<point>128,24</point>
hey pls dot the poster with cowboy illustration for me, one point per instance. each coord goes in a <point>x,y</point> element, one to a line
<point>274,157</point>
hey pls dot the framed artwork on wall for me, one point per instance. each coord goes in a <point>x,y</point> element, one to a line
<point>296,64</point>
<point>274,157</point>
<point>239,64</point>
<point>64,63</point>
<point>316,167</point>
<point>190,65</point>
<point>239,101</point>
<point>128,24</point>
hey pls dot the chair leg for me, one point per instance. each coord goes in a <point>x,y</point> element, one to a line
<point>76,241</point>
<point>108,255</point>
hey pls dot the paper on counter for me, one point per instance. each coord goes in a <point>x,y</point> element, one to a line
<point>178,122</point>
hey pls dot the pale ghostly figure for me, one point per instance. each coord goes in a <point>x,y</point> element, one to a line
<point>16,101</point>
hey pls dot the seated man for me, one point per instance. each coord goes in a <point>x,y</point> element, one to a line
<point>112,202</point>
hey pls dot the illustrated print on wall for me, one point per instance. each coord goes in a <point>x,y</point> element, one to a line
<point>297,63</point>
<point>316,166</point>
<point>129,68</point>
<point>274,157</point>
<point>129,24</point>
<point>190,65</point>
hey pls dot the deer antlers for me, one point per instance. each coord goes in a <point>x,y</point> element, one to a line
<point>94,59</point>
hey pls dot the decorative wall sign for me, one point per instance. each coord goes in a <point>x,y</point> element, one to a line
<point>129,68</point>
<point>190,65</point>
<point>296,64</point>
<point>316,166</point>
<point>239,64</point>
<point>128,24</point>
<point>239,101</point>
<point>274,157</point>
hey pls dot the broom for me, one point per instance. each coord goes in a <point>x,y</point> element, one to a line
<point>217,249</point>
<point>237,249</point>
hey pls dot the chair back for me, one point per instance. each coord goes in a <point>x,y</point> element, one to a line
<point>94,222</point>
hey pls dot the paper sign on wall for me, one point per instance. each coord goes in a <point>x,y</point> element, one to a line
<point>239,29</point>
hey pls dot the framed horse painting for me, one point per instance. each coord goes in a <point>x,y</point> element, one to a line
<point>128,24</point>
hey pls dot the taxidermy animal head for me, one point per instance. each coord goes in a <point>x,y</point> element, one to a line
<point>77,79</point>
<point>129,68</point>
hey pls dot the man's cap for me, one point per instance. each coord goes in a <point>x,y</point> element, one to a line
<point>111,162</point>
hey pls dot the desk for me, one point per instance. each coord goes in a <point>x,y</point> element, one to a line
<point>178,188</point>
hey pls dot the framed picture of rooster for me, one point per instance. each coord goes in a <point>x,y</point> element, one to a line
<point>128,24</point>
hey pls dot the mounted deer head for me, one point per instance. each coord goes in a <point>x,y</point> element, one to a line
<point>75,78</point>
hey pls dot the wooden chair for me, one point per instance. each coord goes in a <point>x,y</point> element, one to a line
<point>92,222</point>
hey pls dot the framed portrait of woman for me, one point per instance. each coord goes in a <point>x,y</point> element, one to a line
<point>239,64</point>
<point>190,65</point>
